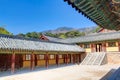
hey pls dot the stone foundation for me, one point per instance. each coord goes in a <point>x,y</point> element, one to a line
<point>83,55</point>
<point>113,57</point>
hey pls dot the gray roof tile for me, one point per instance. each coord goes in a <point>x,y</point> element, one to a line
<point>11,42</point>
<point>93,37</point>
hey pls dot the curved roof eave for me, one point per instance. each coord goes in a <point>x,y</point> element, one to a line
<point>104,20</point>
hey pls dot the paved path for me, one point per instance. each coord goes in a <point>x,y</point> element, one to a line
<point>73,72</point>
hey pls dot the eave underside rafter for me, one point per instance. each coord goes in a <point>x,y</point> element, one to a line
<point>105,13</point>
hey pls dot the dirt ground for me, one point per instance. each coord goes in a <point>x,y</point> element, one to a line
<point>71,72</point>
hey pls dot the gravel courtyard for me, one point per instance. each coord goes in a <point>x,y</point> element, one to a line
<point>72,72</point>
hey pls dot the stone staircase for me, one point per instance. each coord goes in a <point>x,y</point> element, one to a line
<point>96,58</point>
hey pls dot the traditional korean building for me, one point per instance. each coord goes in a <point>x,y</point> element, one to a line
<point>105,41</point>
<point>16,52</point>
<point>106,14</point>
<point>98,42</point>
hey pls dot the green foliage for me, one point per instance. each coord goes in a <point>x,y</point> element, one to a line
<point>74,34</point>
<point>61,35</point>
<point>50,34</point>
<point>96,30</point>
<point>21,35</point>
<point>4,31</point>
<point>69,34</point>
<point>30,35</point>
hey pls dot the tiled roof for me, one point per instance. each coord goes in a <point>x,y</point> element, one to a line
<point>53,39</point>
<point>93,37</point>
<point>12,42</point>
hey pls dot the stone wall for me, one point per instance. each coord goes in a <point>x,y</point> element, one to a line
<point>113,57</point>
<point>83,55</point>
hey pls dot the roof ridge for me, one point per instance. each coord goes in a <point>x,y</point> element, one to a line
<point>30,39</point>
<point>94,34</point>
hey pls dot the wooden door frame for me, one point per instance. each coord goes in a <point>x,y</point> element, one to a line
<point>98,47</point>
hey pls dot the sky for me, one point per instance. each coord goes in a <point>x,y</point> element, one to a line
<point>22,16</point>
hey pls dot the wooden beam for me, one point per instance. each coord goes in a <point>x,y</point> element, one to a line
<point>79,2</point>
<point>84,7</point>
<point>13,63</point>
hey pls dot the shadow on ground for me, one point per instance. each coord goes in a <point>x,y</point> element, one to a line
<point>110,73</point>
<point>27,70</point>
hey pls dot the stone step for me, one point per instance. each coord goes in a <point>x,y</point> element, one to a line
<point>95,58</point>
<point>85,61</point>
<point>92,59</point>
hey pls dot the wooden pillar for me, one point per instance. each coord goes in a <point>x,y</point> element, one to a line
<point>46,60</point>
<point>66,58</point>
<point>93,48</point>
<point>119,45</point>
<point>32,61</point>
<point>35,58</point>
<point>13,63</point>
<point>57,59</point>
<point>104,47</point>
<point>70,58</point>
<point>79,57</point>
<point>73,58</point>
<point>96,47</point>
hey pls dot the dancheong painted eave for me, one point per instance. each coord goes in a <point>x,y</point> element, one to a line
<point>105,13</point>
<point>16,43</point>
